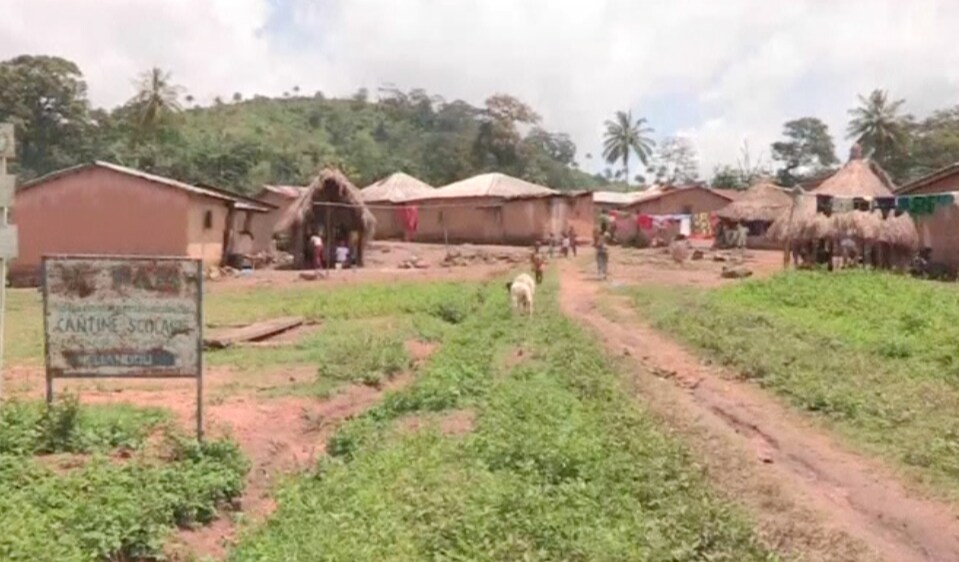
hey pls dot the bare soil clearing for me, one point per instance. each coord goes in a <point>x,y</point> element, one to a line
<point>823,501</point>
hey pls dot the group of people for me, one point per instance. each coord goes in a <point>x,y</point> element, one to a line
<point>341,254</point>
<point>568,245</point>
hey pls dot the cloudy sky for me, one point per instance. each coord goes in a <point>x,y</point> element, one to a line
<point>718,72</point>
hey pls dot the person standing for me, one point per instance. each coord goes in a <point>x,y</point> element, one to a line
<point>572,240</point>
<point>602,256</point>
<point>538,264</point>
<point>316,242</point>
<point>551,241</point>
<point>564,245</point>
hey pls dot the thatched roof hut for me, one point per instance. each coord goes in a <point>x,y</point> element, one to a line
<point>332,207</point>
<point>763,202</point>
<point>858,178</point>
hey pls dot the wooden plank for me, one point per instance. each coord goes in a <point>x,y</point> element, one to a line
<point>8,241</point>
<point>254,332</point>
<point>6,190</point>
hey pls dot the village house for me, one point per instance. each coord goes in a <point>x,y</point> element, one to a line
<point>103,208</point>
<point>757,208</point>
<point>940,231</point>
<point>386,200</point>
<point>263,227</point>
<point>500,209</point>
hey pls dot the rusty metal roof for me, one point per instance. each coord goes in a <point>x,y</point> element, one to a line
<point>210,192</point>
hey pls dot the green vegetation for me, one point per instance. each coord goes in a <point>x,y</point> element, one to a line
<point>103,506</point>
<point>244,144</point>
<point>873,354</point>
<point>361,334</point>
<point>561,465</point>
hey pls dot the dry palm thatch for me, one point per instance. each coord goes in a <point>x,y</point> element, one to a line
<point>858,178</point>
<point>330,203</point>
<point>763,202</point>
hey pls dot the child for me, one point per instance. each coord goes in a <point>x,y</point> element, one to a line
<point>602,255</point>
<point>572,240</point>
<point>552,245</point>
<point>342,255</point>
<point>564,248</point>
<point>538,263</point>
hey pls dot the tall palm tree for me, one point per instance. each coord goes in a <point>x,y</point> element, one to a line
<point>878,126</point>
<point>157,96</point>
<point>623,136</point>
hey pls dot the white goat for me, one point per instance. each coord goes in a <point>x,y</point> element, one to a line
<point>522,291</point>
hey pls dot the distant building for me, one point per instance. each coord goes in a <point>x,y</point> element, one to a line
<point>939,231</point>
<point>103,208</point>
<point>281,197</point>
<point>500,209</point>
<point>387,198</point>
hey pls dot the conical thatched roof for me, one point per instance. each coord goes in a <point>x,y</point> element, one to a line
<point>858,178</point>
<point>329,186</point>
<point>764,201</point>
<point>396,188</point>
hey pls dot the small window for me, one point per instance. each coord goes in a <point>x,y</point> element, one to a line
<point>207,220</point>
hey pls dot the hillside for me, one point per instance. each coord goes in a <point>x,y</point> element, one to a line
<point>243,144</point>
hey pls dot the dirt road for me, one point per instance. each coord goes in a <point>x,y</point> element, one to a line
<point>812,496</point>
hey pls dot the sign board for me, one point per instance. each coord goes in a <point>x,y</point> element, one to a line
<point>7,149</point>
<point>122,317</point>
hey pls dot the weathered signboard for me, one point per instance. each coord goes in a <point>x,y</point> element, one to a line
<point>136,317</point>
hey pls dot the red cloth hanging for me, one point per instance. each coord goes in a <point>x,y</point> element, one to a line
<point>644,222</point>
<point>409,216</point>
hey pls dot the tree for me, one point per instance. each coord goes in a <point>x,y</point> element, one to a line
<point>879,128</point>
<point>157,97</point>
<point>727,177</point>
<point>498,140</point>
<point>935,143</point>
<point>237,97</point>
<point>189,99</point>
<point>675,162</point>
<point>807,151</point>
<point>46,100</point>
<point>624,136</point>
<point>750,169</point>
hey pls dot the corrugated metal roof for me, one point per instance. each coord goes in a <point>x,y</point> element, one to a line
<point>490,185</point>
<point>396,188</point>
<point>616,197</point>
<point>290,191</point>
<point>194,189</point>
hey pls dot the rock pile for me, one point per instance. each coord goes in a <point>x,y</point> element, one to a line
<point>465,258</point>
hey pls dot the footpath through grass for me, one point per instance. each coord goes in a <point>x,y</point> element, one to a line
<point>77,484</point>
<point>875,354</point>
<point>561,465</point>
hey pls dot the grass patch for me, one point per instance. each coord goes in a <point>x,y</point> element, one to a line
<point>363,332</point>
<point>874,354</point>
<point>106,508</point>
<point>561,465</point>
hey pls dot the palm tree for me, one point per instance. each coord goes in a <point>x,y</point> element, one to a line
<point>877,125</point>
<point>623,136</point>
<point>157,96</point>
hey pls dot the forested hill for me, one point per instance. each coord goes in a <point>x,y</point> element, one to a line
<point>241,144</point>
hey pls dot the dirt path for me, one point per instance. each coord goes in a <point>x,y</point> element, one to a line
<point>812,496</point>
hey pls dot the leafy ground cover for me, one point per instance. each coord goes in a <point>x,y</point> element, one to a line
<point>875,355</point>
<point>114,499</point>
<point>361,334</point>
<point>560,464</point>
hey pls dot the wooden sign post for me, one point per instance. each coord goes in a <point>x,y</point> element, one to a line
<point>8,233</point>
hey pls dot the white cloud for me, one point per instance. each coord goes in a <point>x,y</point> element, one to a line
<point>748,65</point>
